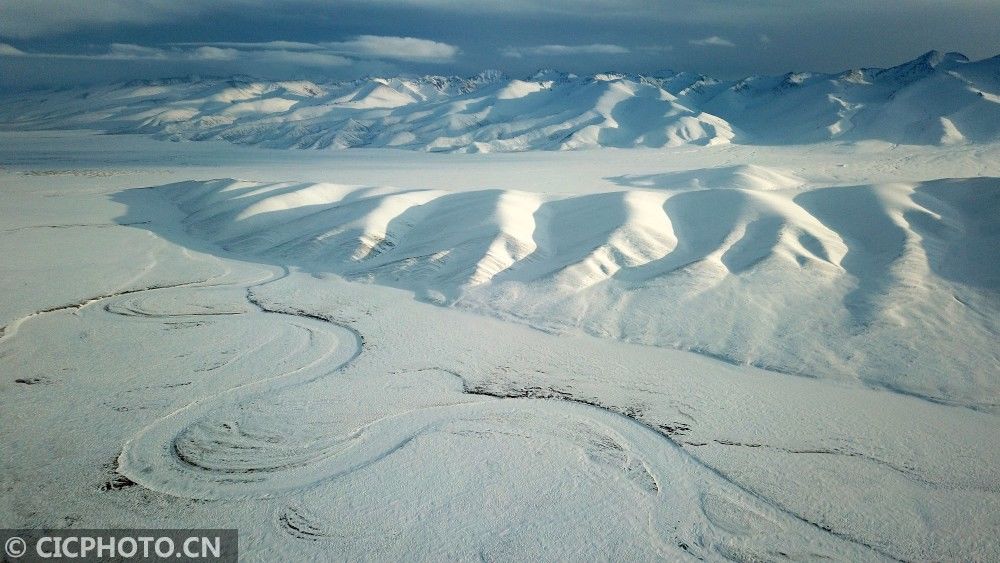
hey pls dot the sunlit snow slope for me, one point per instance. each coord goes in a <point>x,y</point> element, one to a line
<point>934,99</point>
<point>879,284</point>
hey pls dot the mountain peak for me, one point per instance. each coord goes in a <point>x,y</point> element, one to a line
<point>547,74</point>
<point>490,75</point>
<point>934,58</point>
<point>922,66</point>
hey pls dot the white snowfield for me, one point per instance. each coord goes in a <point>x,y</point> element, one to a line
<point>934,99</point>
<point>726,352</point>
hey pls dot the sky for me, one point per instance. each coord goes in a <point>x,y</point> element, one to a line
<point>59,43</point>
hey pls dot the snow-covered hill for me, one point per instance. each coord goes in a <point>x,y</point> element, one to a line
<point>859,283</point>
<point>934,99</point>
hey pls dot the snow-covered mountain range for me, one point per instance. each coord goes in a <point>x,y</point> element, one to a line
<point>937,98</point>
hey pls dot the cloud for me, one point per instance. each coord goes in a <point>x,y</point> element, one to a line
<point>10,51</point>
<point>300,58</point>
<point>820,36</point>
<point>129,51</point>
<point>713,41</point>
<point>317,59</point>
<point>562,50</point>
<point>398,48</point>
<point>282,45</point>
<point>363,47</point>
<point>115,51</point>
<point>33,18</point>
<point>23,19</point>
<point>205,54</point>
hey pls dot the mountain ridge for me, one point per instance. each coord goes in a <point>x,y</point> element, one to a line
<point>748,264</point>
<point>936,98</point>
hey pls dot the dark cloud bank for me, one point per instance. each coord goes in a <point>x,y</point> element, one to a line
<point>67,42</point>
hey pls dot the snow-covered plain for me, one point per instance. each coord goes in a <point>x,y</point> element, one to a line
<point>745,351</point>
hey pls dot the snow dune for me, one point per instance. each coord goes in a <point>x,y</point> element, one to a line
<point>936,99</point>
<point>875,284</point>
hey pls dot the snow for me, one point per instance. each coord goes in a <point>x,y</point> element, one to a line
<point>935,99</point>
<point>876,259</point>
<point>724,351</point>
